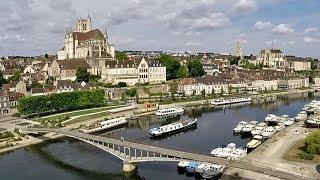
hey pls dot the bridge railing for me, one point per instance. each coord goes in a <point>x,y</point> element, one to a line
<point>246,163</point>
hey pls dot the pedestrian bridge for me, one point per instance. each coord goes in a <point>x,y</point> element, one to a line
<point>132,153</point>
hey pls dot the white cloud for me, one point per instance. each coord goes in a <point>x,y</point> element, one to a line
<point>272,42</point>
<point>190,33</point>
<point>282,29</point>
<point>311,40</point>
<point>193,44</point>
<point>288,43</point>
<point>215,20</point>
<point>187,23</point>
<point>310,30</point>
<point>244,6</point>
<point>259,26</point>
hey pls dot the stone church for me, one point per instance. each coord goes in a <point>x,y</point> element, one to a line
<point>86,42</point>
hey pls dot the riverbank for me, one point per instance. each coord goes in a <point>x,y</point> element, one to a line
<point>272,151</point>
<point>259,96</point>
<point>131,113</point>
<point>215,123</point>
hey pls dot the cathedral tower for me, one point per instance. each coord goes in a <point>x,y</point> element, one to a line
<point>84,25</point>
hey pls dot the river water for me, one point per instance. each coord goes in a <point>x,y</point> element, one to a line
<point>74,160</point>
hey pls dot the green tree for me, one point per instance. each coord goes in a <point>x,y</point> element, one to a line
<point>234,60</point>
<point>131,92</point>
<point>212,92</point>
<point>16,76</point>
<point>2,79</point>
<point>195,68</point>
<point>222,91</point>
<point>49,81</point>
<point>313,65</point>
<point>183,72</point>
<point>123,97</point>
<point>193,92</point>
<point>312,143</point>
<point>172,66</point>
<point>121,56</point>
<point>36,84</point>
<point>122,84</point>
<point>203,93</point>
<point>82,75</point>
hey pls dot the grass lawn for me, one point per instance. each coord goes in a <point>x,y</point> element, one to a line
<point>292,154</point>
<point>77,113</point>
<point>84,118</point>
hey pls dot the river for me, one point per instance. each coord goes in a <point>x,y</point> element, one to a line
<point>74,160</point>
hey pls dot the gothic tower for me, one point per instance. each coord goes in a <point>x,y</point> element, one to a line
<point>84,25</point>
<point>239,52</point>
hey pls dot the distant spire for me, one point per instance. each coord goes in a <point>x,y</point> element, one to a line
<point>272,44</point>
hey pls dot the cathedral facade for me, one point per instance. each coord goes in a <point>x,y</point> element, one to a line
<point>85,42</point>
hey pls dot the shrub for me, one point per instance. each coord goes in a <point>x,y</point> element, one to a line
<point>312,143</point>
<point>306,156</point>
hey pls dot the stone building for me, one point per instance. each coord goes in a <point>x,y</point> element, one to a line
<point>272,58</point>
<point>4,103</point>
<point>134,71</point>
<point>86,42</point>
<point>210,84</point>
<point>67,69</point>
<point>298,63</point>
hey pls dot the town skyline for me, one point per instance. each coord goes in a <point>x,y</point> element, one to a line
<point>198,26</point>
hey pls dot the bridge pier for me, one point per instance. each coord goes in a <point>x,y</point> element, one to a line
<point>129,167</point>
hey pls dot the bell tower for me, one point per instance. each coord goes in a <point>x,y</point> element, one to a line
<point>84,25</point>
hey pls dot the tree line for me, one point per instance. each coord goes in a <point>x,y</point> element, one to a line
<point>175,70</point>
<point>47,104</point>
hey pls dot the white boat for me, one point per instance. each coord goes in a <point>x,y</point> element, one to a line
<point>104,125</point>
<point>238,153</point>
<point>173,127</point>
<point>168,111</point>
<point>240,126</point>
<point>301,116</point>
<point>268,132</point>
<point>289,122</point>
<point>237,129</point>
<point>257,130</point>
<point>214,171</point>
<point>262,124</point>
<point>202,168</point>
<point>230,151</point>
<point>220,102</point>
<point>248,128</point>
<point>271,119</point>
<point>255,142</point>
<point>253,123</point>
<point>312,122</point>
<point>183,164</point>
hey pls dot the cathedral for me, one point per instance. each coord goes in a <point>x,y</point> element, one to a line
<point>86,43</point>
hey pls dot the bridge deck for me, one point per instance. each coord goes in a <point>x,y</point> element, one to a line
<point>178,155</point>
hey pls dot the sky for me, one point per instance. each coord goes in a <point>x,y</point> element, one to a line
<point>33,27</point>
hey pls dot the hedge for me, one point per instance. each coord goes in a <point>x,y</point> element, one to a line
<point>66,101</point>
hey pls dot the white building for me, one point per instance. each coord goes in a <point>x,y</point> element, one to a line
<point>210,84</point>
<point>86,42</point>
<point>133,71</point>
<point>299,64</point>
